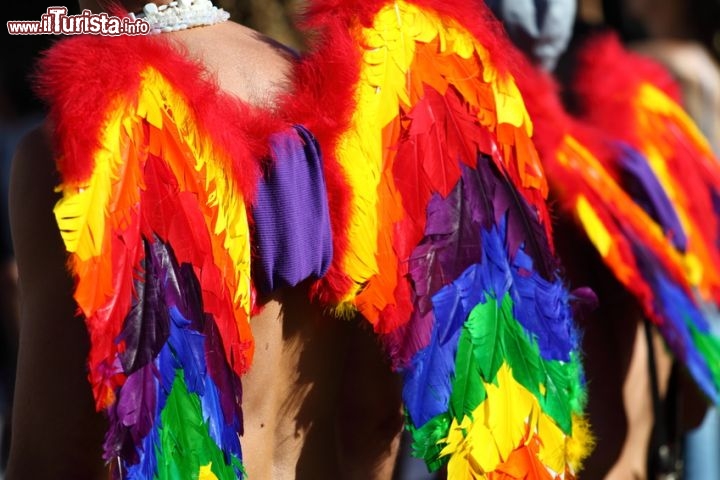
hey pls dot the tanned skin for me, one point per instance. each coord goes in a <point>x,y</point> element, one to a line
<point>319,400</point>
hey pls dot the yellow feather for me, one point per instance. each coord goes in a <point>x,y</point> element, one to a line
<point>506,420</point>
<point>462,42</point>
<point>80,213</point>
<point>223,194</point>
<point>580,444</point>
<point>509,406</point>
<point>463,463</point>
<point>553,447</point>
<point>594,227</point>
<point>389,47</point>
<point>206,473</point>
<point>652,99</point>
<point>510,106</point>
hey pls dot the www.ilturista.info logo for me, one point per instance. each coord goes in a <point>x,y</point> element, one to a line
<point>57,22</point>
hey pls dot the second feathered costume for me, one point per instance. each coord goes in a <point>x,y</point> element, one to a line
<point>643,184</point>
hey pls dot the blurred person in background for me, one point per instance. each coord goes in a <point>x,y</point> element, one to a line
<point>685,37</point>
<point>627,366</point>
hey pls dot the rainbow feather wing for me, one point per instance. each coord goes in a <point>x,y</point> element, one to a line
<point>643,188</point>
<point>643,252</point>
<point>650,205</point>
<point>449,243</point>
<point>159,243</point>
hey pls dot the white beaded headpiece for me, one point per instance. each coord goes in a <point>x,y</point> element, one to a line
<point>181,14</point>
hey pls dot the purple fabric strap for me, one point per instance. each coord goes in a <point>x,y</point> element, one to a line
<point>293,240</point>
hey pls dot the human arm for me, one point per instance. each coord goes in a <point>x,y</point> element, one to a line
<point>56,432</point>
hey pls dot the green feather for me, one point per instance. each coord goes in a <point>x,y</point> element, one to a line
<point>429,440</point>
<point>485,325</point>
<point>556,401</point>
<point>495,336</point>
<point>709,347</point>
<point>522,355</point>
<point>468,390</point>
<point>185,442</point>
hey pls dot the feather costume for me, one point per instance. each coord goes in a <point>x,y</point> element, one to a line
<point>440,237</point>
<point>643,184</point>
<point>450,246</point>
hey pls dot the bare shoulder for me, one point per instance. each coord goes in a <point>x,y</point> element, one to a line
<point>246,63</point>
<point>56,432</point>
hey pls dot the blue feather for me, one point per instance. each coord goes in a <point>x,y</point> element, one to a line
<point>539,305</point>
<point>680,313</point>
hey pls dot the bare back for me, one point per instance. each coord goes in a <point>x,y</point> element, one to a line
<point>308,367</point>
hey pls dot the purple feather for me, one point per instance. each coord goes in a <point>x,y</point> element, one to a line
<point>522,225</point>
<point>187,297</point>
<point>483,197</point>
<point>132,416</point>
<point>169,308</point>
<point>222,375</point>
<point>146,326</point>
<point>451,244</point>
<point>136,404</point>
<point>427,381</point>
<point>645,188</point>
